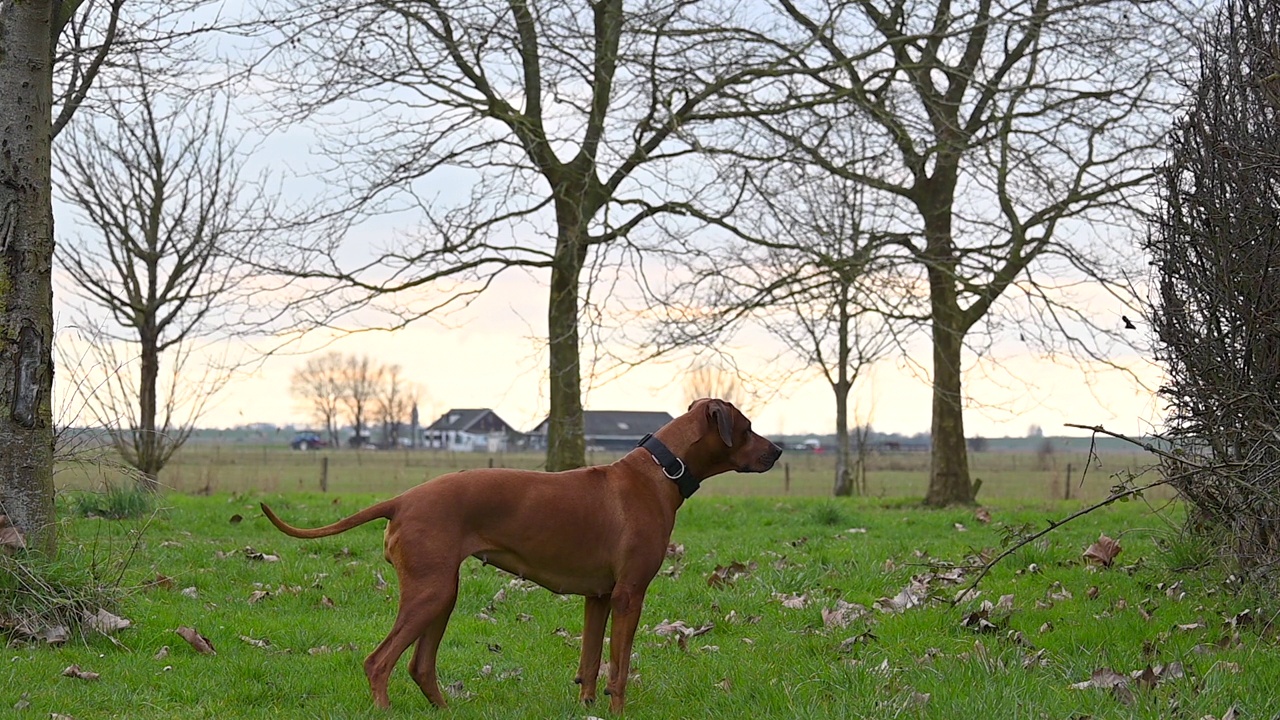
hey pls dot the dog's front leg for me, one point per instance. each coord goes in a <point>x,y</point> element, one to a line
<point>597,613</point>
<point>626,602</point>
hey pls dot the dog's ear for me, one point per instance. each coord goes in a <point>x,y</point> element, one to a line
<point>722,417</point>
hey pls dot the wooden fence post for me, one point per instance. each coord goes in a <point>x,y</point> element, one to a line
<point>786,478</point>
<point>1066,485</point>
<point>324,474</point>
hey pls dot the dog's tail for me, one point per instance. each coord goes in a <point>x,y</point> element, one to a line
<point>384,509</point>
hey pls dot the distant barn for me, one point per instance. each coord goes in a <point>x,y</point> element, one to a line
<point>616,430</point>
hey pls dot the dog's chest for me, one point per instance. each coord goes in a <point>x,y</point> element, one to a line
<point>565,577</point>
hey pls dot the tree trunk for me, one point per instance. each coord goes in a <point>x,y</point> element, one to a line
<point>844,480</point>
<point>145,435</point>
<point>566,446</point>
<point>844,467</point>
<point>26,258</point>
<point>949,482</point>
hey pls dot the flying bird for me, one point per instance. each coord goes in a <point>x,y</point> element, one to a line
<point>1128,324</point>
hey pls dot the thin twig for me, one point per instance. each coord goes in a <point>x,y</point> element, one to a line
<point>1053,525</point>
<point>1085,511</point>
<point>1144,445</point>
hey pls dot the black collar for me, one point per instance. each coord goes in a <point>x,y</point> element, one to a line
<point>672,466</point>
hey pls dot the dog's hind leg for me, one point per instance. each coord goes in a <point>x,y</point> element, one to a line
<point>424,608</point>
<point>423,665</point>
<point>597,612</point>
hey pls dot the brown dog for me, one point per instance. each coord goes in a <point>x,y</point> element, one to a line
<point>601,532</point>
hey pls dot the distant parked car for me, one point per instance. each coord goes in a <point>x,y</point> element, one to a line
<point>361,442</point>
<point>308,441</point>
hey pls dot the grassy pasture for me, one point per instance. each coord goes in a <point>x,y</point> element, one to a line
<point>515,657</point>
<point>1005,475</point>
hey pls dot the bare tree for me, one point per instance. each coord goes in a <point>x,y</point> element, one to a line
<point>708,379</point>
<point>812,271</point>
<point>319,385</point>
<point>36,47</point>
<point>832,321</point>
<point>158,180</point>
<point>563,130</point>
<point>1001,132</point>
<point>361,383</point>
<point>1215,246</point>
<point>394,402</point>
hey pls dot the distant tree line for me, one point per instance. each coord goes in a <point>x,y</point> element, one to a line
<point>337,390</point>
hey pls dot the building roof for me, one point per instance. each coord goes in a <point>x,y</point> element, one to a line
<point>462,419</point>
<point>617,423</point>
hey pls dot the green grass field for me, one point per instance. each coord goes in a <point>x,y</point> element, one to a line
<point>516,657</point>
<point>1004,475</point>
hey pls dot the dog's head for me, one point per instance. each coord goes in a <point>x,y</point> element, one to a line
<point>725,441</point>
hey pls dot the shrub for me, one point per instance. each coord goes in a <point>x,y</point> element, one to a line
<point>115,503</point>
<point>1215,247</point>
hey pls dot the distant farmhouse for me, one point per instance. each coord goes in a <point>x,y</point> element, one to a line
<point>470,430</point>
<point>609,429</point>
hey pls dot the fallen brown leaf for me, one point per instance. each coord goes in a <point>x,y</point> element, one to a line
<point>252,554</point>
<point>105,622</point>
<point>917,700</point>
<point>197,641</point>
<point>325,649</point>
<point>681,631</point>
<point>675,550</point>
<point>982,515</point>
<point>849,643</point>
<point>457,690</point>
<point>258,595</point>
<point>1244,618</point>
<point>1102,678</point>
<point>1102,552</point>
<point>161,654</point>
<point>11,539</point>
<point>1057,592</point>
<point>979,620</point>
<point>74,671</point>
<point>792,601</point>
<point>842,614</point>
<point>729,574</point>
<point>259,643</point>
<point>326,601</point>
<point>54,635</point>
<point>914,594</point>
<point>236,519</point>
<point>1035,659</point>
